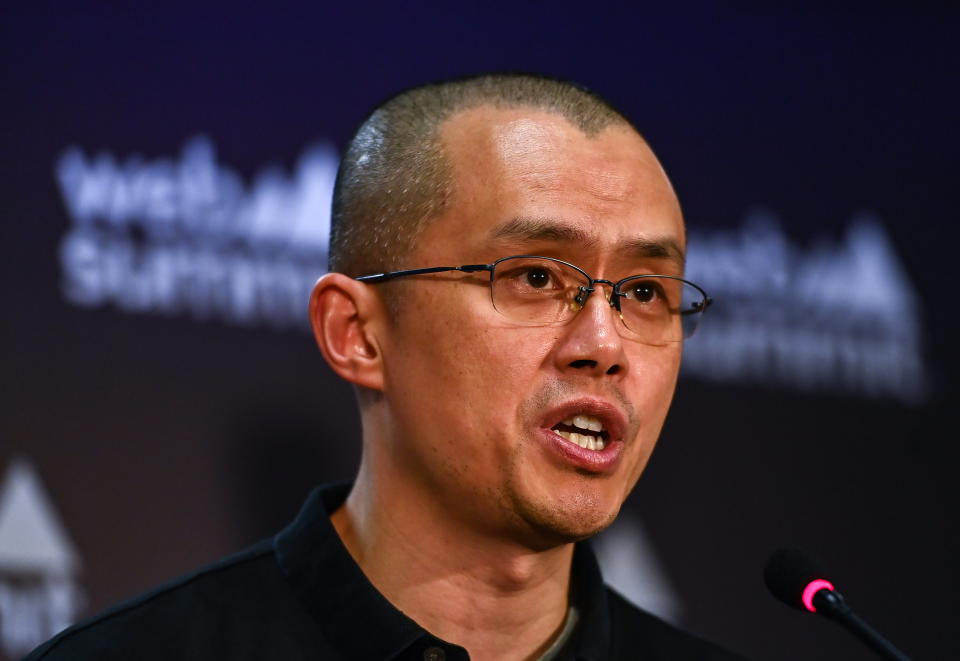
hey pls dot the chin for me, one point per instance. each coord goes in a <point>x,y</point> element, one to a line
<point>567,519</point>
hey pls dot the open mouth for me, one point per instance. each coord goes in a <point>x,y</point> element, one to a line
<point>584,430</point>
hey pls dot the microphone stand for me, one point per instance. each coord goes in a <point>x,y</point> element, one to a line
<point>832,605</point>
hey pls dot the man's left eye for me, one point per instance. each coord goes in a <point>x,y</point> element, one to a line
<point>644,292</point>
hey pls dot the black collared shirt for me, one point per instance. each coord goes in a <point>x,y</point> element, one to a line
<point>301,596</point>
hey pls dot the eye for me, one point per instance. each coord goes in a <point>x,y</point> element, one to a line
<point>533,275</point>
<point>538,277</point>
<point>644,292</point>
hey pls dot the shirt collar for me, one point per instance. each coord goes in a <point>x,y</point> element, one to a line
<point>590,596</point>
<point>361,623</point>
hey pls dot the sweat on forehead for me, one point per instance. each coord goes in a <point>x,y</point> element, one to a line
<point>395,175</point>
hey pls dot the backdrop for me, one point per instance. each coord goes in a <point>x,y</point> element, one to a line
<point>165,181</point>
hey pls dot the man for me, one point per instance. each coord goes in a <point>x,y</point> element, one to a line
<point>509,400</point>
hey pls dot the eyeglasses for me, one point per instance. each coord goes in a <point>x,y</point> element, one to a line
<point>542,291</point>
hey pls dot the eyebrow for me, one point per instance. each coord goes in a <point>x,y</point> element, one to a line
<point>545,229</point>
<point>542,229</point>
<point>656,248</point>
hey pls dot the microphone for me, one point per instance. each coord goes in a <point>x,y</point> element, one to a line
<point>797,580</point>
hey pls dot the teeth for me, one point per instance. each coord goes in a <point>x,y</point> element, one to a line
<point>586,422</point>
<point>585,441</point>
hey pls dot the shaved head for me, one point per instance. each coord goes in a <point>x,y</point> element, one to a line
<point>396,176</point>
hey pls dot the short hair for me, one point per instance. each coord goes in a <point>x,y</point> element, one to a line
<point>394,176</point>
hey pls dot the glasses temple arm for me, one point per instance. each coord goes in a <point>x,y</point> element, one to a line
<point>699,307</point>
<point>382,277</point>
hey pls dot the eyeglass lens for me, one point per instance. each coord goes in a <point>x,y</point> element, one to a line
<point>537,290</point>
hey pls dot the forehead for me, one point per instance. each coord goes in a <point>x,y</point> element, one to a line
<point>508,164</point>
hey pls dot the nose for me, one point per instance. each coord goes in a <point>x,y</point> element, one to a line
<point>591,343</point>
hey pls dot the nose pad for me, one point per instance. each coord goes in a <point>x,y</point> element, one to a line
<point>579,301</point>
<point>615,298</point>
<point>583,294</point>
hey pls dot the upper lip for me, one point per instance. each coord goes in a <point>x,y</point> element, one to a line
<point>613,419</point>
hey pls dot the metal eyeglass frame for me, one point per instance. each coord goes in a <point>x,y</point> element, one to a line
<point>581,298</point>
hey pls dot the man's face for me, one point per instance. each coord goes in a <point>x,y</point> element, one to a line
<point>474,399</point>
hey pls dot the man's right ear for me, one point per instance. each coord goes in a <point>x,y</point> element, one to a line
<point>345,315</point>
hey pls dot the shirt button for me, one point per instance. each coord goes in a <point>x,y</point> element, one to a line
<point>434,654</point>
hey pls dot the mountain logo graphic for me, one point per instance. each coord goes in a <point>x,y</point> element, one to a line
<point>39,595</point>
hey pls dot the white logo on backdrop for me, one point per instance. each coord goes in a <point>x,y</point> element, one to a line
<point>39,595</point>
<point>186,236</point>
<point>840,315</point>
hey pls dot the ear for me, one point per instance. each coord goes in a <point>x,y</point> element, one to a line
<point>344,314</point>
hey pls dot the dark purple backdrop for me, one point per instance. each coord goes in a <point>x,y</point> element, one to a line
<point>164,442</point>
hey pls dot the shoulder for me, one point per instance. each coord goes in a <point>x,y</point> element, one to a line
<point>633,629</point>
<point>163,623</point>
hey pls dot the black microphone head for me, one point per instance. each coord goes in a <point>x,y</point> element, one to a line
<point>794,577</point>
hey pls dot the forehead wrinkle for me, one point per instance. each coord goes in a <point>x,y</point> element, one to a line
<point>609,186</point>
<point>543,229</point>
<point>602,183</point>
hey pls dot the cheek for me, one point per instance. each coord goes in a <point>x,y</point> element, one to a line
<point>662,376</point>
<point>655,380</point>
<point>664,373</point>
<point>461,376</point>
<point>497,372</point>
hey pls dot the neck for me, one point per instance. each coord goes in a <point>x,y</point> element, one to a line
<point>494,597</point>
